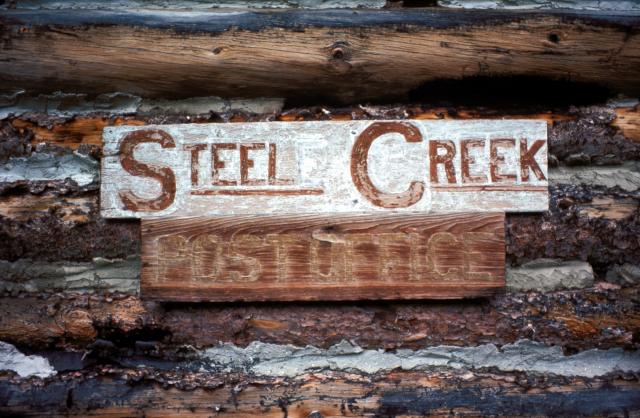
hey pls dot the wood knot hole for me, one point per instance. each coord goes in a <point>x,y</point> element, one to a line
<point>340,51</point>
<point>553,38</point>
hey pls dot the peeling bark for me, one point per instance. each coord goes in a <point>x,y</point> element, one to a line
<point>571,229</point>
<point>575,320</point>
<point>116,391</point>
<point>580,136</point>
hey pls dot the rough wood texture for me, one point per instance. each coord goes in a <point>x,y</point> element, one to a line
<point>584,135</point>
<point>322,257</point>
<point>129,392</point>
<point>324,167</point>
<point>74,133</point>
<point>575,320</point>
<point>337,55</point>
<point>569,231</point>
<point>628,121</point>
<point>25,207</point>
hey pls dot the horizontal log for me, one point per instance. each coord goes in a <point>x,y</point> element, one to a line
<point>27,207</point>
<point>587,135</point>
<point>118,392</point>
<point>69,224</point>
<point>595,224</point>
<point>35,211</point>
<point>576,320</point>
<point>585,222</point>
<point>628,122</point>
<point>336,55</point>
<point>198,4</point>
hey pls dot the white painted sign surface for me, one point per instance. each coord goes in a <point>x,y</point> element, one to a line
<point>331,167</point>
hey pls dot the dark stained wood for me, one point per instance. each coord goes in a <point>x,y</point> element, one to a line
<point>322,257</point>
<point>571,319</point>
<point>339,55</point>
<point>143,392</point>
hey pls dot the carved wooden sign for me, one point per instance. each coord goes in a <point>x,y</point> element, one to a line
<point>320,257</point>
<point>324,167</point>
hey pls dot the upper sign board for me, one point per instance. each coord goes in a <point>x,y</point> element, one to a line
<point>331,167</point>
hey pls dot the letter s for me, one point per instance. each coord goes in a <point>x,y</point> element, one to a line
<point>163,174</point>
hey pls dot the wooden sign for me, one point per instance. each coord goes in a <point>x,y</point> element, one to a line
<point>330,167</point>
<point>319,257</point>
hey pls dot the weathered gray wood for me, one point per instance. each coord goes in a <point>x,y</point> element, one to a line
<point>314,167</point>
<point>322,257</point>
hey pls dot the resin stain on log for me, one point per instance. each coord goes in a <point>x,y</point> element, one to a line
<point>324,167</point>
<point>321,257</point>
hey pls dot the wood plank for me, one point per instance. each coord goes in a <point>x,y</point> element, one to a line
<point>323,257</point>
<point>324,167</point>
<point>346,56</point>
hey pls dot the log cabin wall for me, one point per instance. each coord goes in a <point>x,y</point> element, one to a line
<point>76,338</point>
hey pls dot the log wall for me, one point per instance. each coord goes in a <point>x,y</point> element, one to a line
<point>77,339</point>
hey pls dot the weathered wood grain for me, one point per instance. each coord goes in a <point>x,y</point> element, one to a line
<point>330,167</point>
<point>141,392</point>
<point>338,55</point>
<point>601,317</point>
<point>74,133</point>
<point>28,207</point>
<point>628,121</point>
<point>322,257</point>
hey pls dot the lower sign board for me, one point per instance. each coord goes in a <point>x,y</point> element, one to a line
<point>324,167</point>
<point>320,257</point>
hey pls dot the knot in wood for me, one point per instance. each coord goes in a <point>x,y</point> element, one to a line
<point>339,54</point>
<point>340,51</point>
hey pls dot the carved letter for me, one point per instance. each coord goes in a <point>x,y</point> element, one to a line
<point>395,255</point>
<point>446,257</point>
<point>242,267</point>
<point>360,173</point>
<point>446,159</point>
<point>328,249</point>
<point>195,160</point>
<point>218,164</point>
<point>246,163</point>
<point>497,161</point>
<point>173,257</point>
<point>206,257</point>
<point>467,160</point>
<point>163,174</point>
<point>528,160</point>
<point>273,180</point>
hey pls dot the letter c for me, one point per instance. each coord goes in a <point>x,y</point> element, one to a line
<point>359,169</point>
<point>163,174</point>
